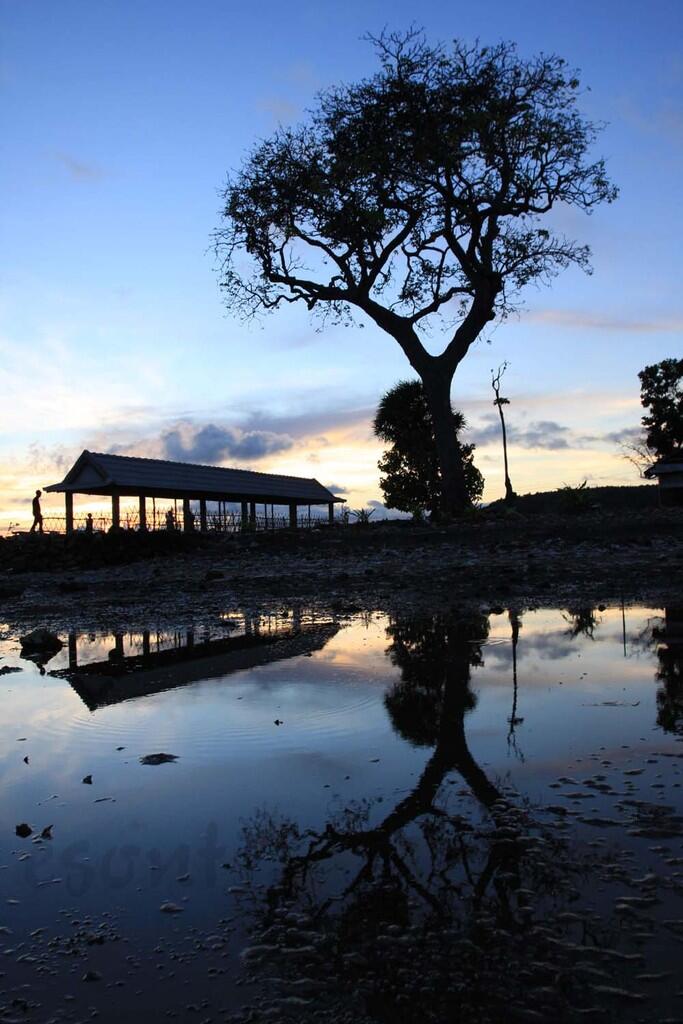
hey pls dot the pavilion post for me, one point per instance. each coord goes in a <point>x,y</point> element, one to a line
<point>187,516</point>
<point>143,513</point>
<point>330,512</point>
<point>115,512</point>
<point>202,515</point>
<point>245,515</point>
<point>69,507</point>
<point>252,515</point>
<point>292,516</point>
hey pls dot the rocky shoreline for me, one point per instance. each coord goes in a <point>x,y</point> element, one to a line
<point>502,560</point>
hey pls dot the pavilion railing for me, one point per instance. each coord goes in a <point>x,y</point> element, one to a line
<point>161,520</point>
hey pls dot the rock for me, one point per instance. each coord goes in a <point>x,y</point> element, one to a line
<point>40,641</point>
<point>8,669</point>
<point>87,780</point>
<point>171,908</point>
<point>158,758</point>
<point>92,976</point>
<point>23,830</point>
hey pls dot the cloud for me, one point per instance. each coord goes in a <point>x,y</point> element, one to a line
<point>79,171</point>
<point>627,435</point>
<point>538,434</point>
<point>598,321</point>
<point>314,424</point>
<point>381,511</point>
<point>336,488</point>
<point>213,443</point>
<point>279,108</point>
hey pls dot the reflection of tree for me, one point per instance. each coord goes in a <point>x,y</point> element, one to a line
<point>418,913</point>
<point>669,638</point>
<point>582,622</point>
<point>514,720</point>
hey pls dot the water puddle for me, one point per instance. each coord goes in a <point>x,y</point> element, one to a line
<point>372,819</point>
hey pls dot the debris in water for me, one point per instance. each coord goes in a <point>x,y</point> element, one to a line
<point>158,758</point>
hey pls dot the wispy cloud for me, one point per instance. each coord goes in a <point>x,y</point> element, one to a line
<point>603,322</point>
<point>78,170</point>
<point>279,108</point>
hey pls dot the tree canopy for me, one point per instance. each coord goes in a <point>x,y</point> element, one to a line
<point>411,480</point>
<point>415,197</point>
<point>661,393</point>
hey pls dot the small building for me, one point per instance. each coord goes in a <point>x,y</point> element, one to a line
<point>120,476</point>
<point>669,474</point>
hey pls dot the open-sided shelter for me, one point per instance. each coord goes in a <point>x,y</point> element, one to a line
<point>117,476</point>
<point>669,474</point>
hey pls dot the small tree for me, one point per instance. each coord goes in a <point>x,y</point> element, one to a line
<point>414,198</point>
<point>500,402</point>
<point>661,393</point>
<point>411,480</point>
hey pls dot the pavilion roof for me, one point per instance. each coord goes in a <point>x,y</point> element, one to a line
<point>103,473</point>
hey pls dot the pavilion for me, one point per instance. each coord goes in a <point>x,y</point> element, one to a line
<point>117,476</point>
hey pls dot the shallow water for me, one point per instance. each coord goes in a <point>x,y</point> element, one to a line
<point>319,763</point>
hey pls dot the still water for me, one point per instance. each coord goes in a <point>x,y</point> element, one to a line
<point>384,818</point>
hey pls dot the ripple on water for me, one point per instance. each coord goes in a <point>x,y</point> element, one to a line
<point>204,719</point>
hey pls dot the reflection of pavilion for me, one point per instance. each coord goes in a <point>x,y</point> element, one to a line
<point>121,677</point>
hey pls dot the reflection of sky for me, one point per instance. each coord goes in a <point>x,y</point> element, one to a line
<point>233,758</point>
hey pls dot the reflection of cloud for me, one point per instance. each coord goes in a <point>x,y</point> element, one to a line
<point>213,443</point>
<point>78,170</point>
<point>602,322</point>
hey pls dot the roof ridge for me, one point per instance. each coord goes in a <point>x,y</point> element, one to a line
<point>197,465</point>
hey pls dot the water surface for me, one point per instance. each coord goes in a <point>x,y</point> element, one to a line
<point>357,792</point>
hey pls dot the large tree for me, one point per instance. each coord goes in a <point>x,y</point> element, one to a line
<point>414,198</point>
<point>661,393</point>
<point>410,478</point>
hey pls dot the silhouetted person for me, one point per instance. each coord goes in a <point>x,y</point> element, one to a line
<point>88,523</point>
<point>170,520</point>
<point>37,514</point>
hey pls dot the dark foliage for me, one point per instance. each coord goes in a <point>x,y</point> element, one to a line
<point>411,480</point>
<point>661,393</point>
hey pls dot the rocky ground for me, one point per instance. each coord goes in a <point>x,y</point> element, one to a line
<point>496,559</point>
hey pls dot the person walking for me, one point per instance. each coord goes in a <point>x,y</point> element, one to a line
<point>37,514</point>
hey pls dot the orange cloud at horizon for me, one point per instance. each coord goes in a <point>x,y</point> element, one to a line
<point>344,458</point>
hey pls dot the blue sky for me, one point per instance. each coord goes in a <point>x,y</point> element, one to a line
<point>119,123</point>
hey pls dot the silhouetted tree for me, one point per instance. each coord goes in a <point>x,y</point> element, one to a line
<point>669,641</point>
<point>414,198</point>
<point>411,481</point>
<point>582,622</point>
<point>661,393</point>
<point>500,402</point>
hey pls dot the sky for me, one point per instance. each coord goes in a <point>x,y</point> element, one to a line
<point>120,121</point>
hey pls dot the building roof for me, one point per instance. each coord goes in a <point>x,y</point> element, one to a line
<point>669,464</point>
<point>101,473</point>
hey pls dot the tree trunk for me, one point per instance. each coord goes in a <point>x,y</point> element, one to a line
<point>454,496</point>
<point>509,493</point>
